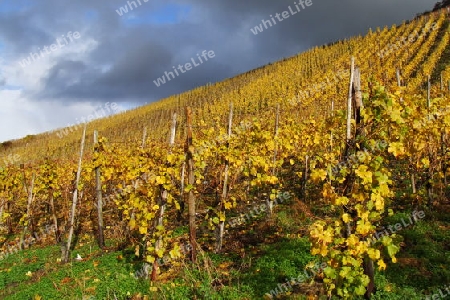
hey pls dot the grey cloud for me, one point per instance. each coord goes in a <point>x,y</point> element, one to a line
<point>129,57</point>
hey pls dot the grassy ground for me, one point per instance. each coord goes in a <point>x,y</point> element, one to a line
<point>256,258</point>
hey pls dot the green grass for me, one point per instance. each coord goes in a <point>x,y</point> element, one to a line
<point>423,268</point>
<point>101,274</point>
<point>278,263</point>
<point>426,244</point>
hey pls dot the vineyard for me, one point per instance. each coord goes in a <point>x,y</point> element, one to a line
<point>317,158</point>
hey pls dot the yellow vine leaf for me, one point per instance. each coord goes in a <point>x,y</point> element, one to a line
<point>381,265</point>
<point>361,248</point>
<point>426,162</point>
<point>365,175</point>
<point>373,253</point>
<point>160,253</point>
<point>346,218</point>
<point>378,200</point>
<point>352,240</point>
<point>175,252</point>
<point>160,180</point>
<point>341,201</point>
<point>396,116</point>
<point>318,175</point>
<point>323,251</point>
<point>362,227</point>
<point>132,223</point>
<point>397,149</point>
<point>143,229</point>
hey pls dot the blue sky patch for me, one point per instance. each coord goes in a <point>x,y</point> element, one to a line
<point>164,15</point>
<point>14,6</point>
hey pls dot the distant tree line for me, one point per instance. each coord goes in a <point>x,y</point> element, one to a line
<point>441,4</point>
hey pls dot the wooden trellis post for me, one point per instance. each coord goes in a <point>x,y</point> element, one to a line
<point>191,182</point>
<point>98,184</point>
<point>66,249</point>
<point>221,225</point>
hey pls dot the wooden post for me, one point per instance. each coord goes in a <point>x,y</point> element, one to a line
<point>357,101</point>
<point>98,183</point>
<point>413,178</point>
<point>269,202</point>
<point>331,131</point>
<point>348,147</point>
<point>399,83</point>
<point>368,262</point>
<point>66,249</point>
<point>28,219</point>
<point>181,200</point>
<point>305,178</point>
<point>429,175</point>
<point>428,96</point>
<point>221,225</point>
<point>349,105</point>
<point>173,130</point>
<point>163,199</point>
<point>144,137</point>
<point>191,182</point>
<point>443,151</point>
<point>2,205</point>
<point>55,219</point>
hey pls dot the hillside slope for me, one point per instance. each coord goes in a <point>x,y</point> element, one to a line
<point>318,73</point>
<point>256,157</point>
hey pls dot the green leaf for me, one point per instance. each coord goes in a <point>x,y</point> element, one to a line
<point>392,250</point>
<point>360,290</point>
<point>330,272</point>
<point>188,188</point>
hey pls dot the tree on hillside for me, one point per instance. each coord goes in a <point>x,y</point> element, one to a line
<point>441,4</point>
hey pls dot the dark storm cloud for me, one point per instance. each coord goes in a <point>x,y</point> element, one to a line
<point>130,55</point>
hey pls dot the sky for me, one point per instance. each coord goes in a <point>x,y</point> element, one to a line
<point>62,61</point>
